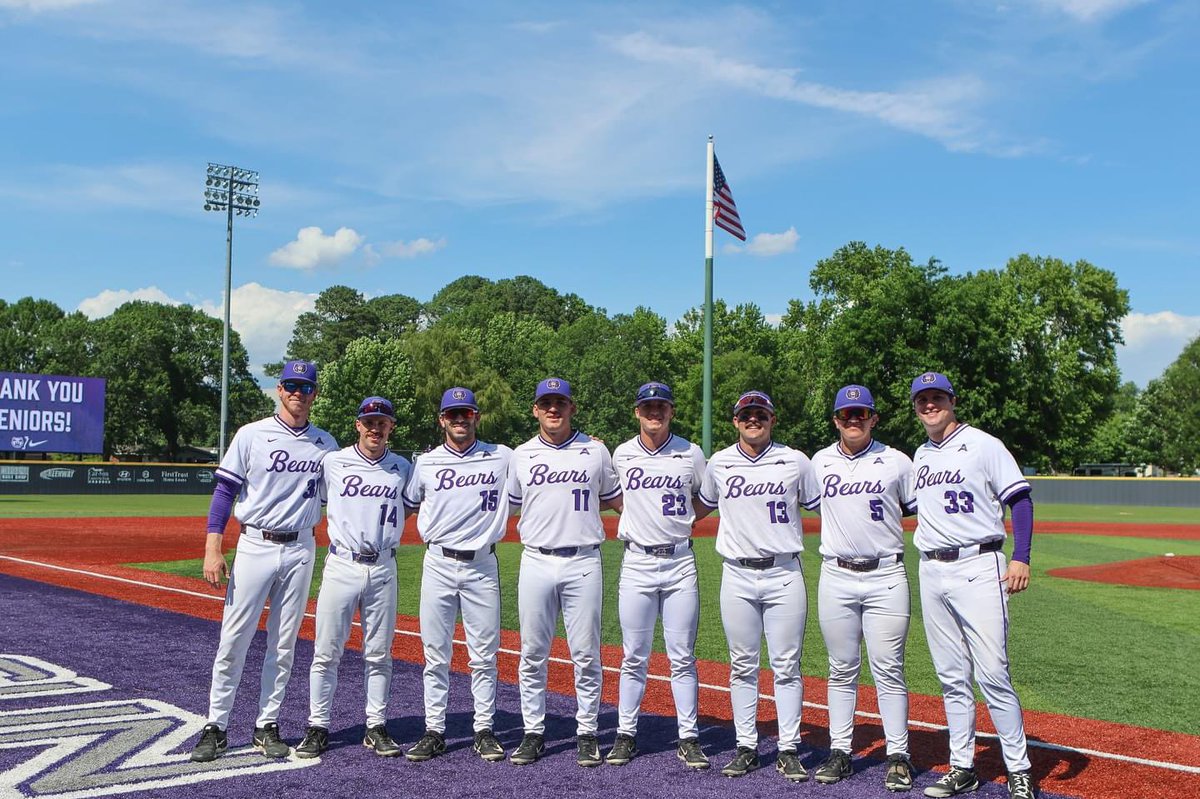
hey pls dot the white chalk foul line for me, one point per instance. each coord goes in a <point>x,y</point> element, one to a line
<point>1182,767</point>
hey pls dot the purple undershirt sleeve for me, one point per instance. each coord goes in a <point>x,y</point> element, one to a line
<point>1021,508</point>
<point>221,507</point>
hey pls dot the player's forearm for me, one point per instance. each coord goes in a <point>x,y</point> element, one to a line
<point>221,507</point>
<point>1021,509</point>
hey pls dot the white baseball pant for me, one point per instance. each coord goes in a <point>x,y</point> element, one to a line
<point>965,609</point>
<point>574,585</point>
<point>448,586</point>
<point>369,588</point>
<point>651,586</point>
<point>773,601</point>
<point>262,571</point>
<point>874,605</point>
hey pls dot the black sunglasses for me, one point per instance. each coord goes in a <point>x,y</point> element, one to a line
<point>756,415</point>
<point>846,414</point>
<point>292,386</point>
<point>455,413</point>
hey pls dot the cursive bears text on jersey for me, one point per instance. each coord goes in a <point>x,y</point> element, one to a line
<point>927,477</point>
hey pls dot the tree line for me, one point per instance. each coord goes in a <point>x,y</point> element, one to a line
<point>1031,348</point>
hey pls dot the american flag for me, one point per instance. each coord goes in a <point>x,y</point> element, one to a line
<point>725,215</point>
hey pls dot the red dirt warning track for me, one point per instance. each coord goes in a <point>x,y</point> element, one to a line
<point>1159,572</point>
<point>87,553</point>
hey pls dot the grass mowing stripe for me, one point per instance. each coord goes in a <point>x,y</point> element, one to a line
<point>1115,653</point>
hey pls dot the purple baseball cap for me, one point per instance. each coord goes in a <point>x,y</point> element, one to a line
<point>376,406</point>
<point>304,371</point>
<point>853,396</point>
<point>932,380</point>
<point>458,397</point>
<point>653,391</point>
<point>552,386</point>
<point>753,399</point>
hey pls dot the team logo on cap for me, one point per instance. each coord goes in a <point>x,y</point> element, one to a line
<point>928,377</point>
<point>553,383</point>
<point>853,393</point>
<point>459,394</point>
<point>300,368</point>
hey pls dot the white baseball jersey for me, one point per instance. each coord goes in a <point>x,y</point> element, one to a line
<point>559,488</point>
<point>863,498</point>
<point>366,512</point>
<point>658,486</point>
<point>284,463</point>
<point>960,486</point>
<point>759,499</point>
<point>461,495</point>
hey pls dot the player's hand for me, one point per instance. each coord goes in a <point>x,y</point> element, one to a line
<point>216,571</point>
<point>1017,576</point>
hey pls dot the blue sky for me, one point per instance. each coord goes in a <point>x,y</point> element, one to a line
<point>402,145</point>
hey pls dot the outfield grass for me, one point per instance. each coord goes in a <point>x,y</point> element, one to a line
<point>1115,653</point>
<point>74,505</point>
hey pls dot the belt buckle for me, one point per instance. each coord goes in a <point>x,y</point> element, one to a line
<point>662,551</point>
<point>757,563</point>
<point>363,557</point>
<point>946,555</point>
<point>459,554</point>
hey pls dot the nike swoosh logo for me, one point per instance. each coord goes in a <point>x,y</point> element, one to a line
<point>585,574</point>
<point>890,587</point>
<point>38,443</point>
<point>972,579</point>
<point>272,440</point>
<point>789,582</point>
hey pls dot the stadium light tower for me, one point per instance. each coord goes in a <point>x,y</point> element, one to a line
<point>235,191</point>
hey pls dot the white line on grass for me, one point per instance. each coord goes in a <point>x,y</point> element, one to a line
<point>663,678</point>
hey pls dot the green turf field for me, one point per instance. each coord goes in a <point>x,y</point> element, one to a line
<point>1114,653</point>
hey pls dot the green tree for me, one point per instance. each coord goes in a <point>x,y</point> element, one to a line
<point>1166,428</point>
<point>1115,439</point>
<point>163,369</point>
<point>340,315</point>
<point>368,367</point>
<point>471,301</point>
<point>38,337</point>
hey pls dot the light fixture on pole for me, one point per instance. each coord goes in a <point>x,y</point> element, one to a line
<point>235,191</point>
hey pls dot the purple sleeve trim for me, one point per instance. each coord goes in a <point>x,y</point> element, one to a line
<point>616,492</point>
<point>1021,508</point>
<point>909,509</point>
<point>1008,495</point>
<point>221,507</point>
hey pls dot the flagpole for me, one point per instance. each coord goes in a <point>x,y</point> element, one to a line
<point>708,300</point>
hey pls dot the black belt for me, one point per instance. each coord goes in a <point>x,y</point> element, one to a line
<point>869,564</point>
<point>660,551</point>
<point>764,563</point>
<point>357,557</point>
<point>276,536</point>
<point>462,554</point>
<point>951,553</point>
<point>566,552</point>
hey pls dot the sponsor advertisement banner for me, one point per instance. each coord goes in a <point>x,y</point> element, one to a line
<point>57,477</point>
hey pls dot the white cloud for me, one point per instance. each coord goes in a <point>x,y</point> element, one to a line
<point>766,245</point>
<point>1089,10</point>
<point>109,300</point>
<point>312,248</point>
<point>936,108</point>
<point>402,249</point>
<point>1152,343</point>
<point>263,317</point>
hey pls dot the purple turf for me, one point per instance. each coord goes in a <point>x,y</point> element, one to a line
<point>155,654</point>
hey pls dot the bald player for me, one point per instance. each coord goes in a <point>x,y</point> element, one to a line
<point>273,471</point>
<point>561,479</point>
<point>964,479</point>
<point>364,483</point>
<point>660,473</point>
<point>866,488</point>
<point>759,487</point>
<point>460,489</point>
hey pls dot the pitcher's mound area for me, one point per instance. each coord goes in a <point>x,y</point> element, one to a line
<point>1160,572</point>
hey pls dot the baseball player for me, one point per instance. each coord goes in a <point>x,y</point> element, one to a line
<point>364,483</point>
<point>866,487</point>
<point>561,479</point>
<point>659,474</point>
<point>273,471</point>
<point>759,487</point>
<point>460,489</point>
<point>963,479</point>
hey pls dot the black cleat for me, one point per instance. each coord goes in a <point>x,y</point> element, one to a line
<point>316,741</point>
<point>212,744</point>
<point>377,738</point>
<point>267,740</point>
<point>531,749</point>
<point>744,761</point>
<point>432,744</point>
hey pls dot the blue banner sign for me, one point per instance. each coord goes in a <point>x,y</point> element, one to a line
<point>51,413</point>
